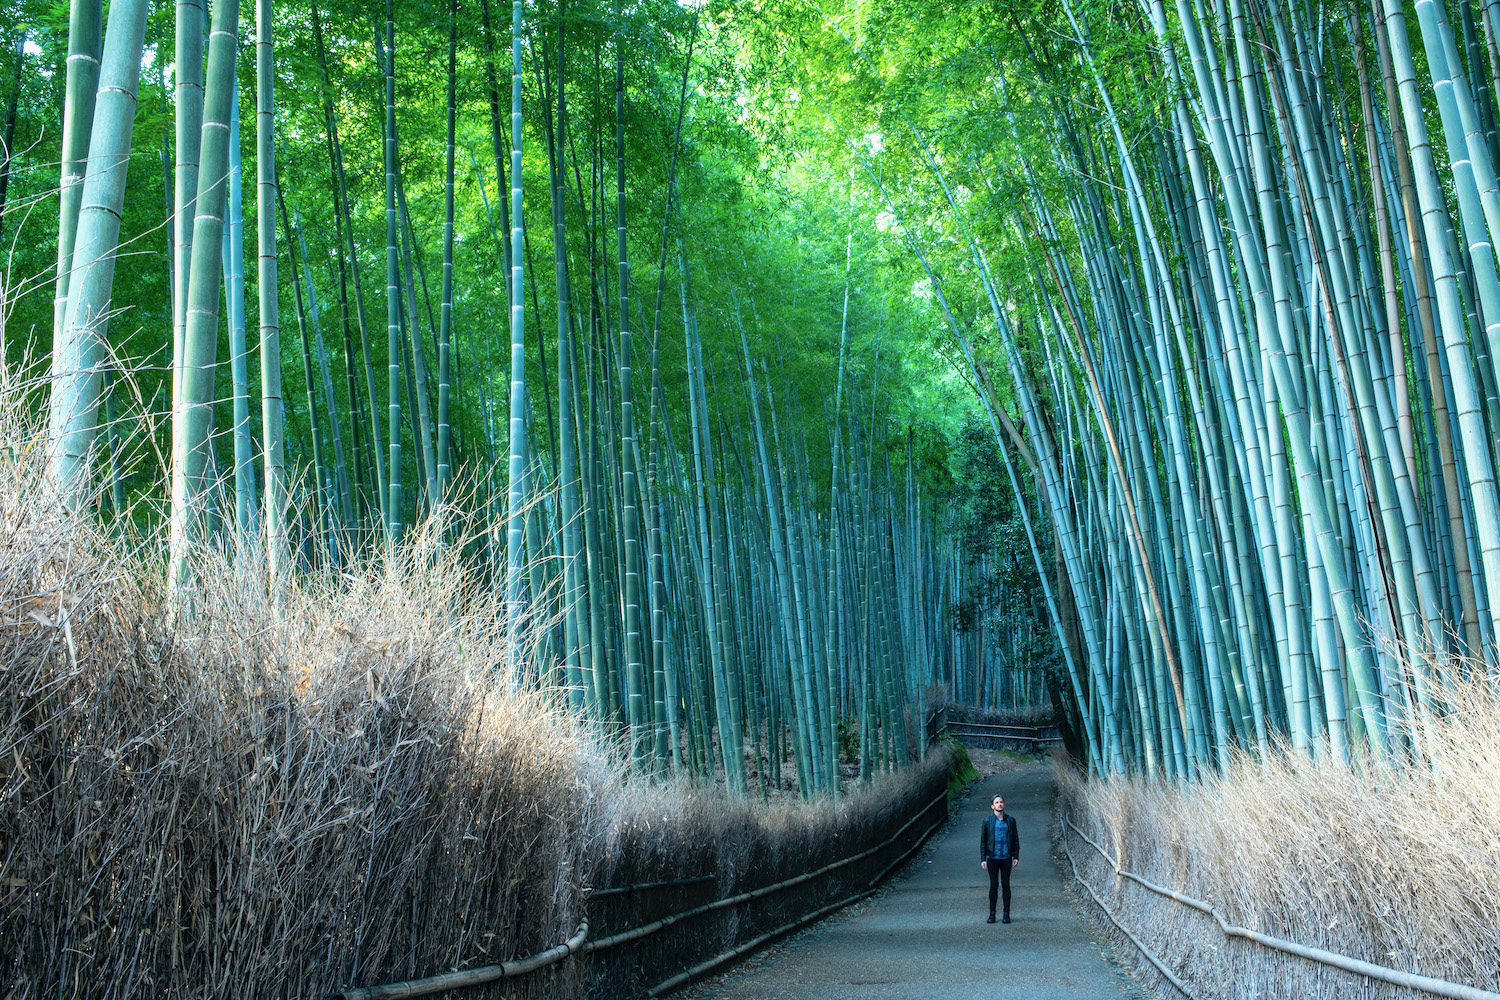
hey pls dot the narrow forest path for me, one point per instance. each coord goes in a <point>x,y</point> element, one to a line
<point>926,935</point>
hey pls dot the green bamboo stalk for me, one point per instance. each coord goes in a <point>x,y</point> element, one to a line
<point>497,134</point>
<point>393,508</point>
<point>85,23</point>
<point>345,476</point>
<point>187,71</point>
<point>234,310</point>
<point>514,556</point>
<point>79,354</point>
<point>314,424</point>
<point>344,225</point>
<point>193,407</point>
<point>418,403</point>
<point>272,407</point>
<point>711,605</point>
<point>638,712</point>
<point>445,335</point>
<point>575,619</point>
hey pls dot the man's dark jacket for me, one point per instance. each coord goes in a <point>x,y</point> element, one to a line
<point>987,837</point>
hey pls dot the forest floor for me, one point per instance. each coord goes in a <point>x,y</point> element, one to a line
<point>924,934</point>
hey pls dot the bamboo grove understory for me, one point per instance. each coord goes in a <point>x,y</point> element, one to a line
<point>1218,276</point>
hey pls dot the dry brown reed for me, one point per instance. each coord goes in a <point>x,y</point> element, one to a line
<point>268,801</point>
<point>1396,864</point>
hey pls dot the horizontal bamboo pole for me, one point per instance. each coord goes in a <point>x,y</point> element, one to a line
<point>1140,945</point>
<point>1027,732</point>
<point>470,977</point>
<point>683,978</point>
<point>1409,980</point>
<point>902,860</point>
<point>643,886</point>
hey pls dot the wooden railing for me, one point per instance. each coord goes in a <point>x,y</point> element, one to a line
<point>1026,739</point>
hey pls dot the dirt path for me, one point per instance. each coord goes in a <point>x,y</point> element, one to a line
<point>926,936</point>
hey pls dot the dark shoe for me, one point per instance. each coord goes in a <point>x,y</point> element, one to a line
<point>1006,919</point>
<point>991,920</point>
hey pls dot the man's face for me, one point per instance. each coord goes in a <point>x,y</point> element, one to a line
<point>997,804</point>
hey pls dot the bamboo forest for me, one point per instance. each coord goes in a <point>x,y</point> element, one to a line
<point>777,362</point>
<point>479,477</point>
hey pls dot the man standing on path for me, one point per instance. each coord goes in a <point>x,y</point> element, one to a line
<point>999,852</point>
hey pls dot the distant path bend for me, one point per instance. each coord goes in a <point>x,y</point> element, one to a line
<point>926,936</point>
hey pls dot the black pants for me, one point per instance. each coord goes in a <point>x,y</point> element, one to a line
<point>999,869</point>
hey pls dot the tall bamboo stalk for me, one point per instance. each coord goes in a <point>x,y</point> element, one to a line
<point>79,353</point>
<point>273,434</point>
<point>85,24</point>
<point>394,346</point>
<point>444,431</point>
<point>192,412</point>
<point>515,507</point>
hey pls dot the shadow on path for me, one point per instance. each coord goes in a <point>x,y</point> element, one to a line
<point>926,936</point>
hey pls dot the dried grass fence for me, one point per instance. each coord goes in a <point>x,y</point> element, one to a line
<point>285,801</point>
<point>668,929</point>
<point>1398,866</point>
<point>261,803</point>
<point>690,851</point>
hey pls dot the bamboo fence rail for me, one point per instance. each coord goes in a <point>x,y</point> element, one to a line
<point>1359,967</point>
